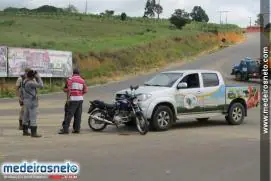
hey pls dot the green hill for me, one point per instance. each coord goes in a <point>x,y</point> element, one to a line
<point>105,46</point>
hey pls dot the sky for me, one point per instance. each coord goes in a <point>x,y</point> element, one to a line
<point>239,10</point>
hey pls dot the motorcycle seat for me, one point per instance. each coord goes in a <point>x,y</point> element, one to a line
<point>109,106</point>
<point>103,105</point>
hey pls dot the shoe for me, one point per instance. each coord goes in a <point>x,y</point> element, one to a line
<point>62,131</point>
<point>75,132</point>
<point>34,132</point>
<point>25,130</point>
<point>21,125</point>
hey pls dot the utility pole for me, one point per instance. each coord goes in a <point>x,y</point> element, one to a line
<point>158,12</point>
<point>249,21</point>
<point>226,17</point>
<point>220,12</point>
<point>86,8</point>
<point>221,16</point>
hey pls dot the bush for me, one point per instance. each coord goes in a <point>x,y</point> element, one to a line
<point>178,21</point>
<point>180,18</point>
<point>7,22</point>
<point>211,27</point>
<point>123,16</point>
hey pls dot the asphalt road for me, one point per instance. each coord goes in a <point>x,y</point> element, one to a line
<point>189,152</point>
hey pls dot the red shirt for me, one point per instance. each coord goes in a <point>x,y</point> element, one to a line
<point>76,88</point>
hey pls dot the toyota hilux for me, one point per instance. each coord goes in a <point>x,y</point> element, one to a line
<point>197,94</point>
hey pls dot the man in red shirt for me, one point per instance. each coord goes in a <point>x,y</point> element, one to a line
<point>75,88</point>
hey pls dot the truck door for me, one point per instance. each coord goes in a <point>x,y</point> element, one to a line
<point>214,92</point>
<point>189,95</point>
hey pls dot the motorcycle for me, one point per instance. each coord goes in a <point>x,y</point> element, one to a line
<point>124,110</point>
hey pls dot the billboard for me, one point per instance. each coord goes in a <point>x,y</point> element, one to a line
<point>49,63</point>
<point>3,61</point>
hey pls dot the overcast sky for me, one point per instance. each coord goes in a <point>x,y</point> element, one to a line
<point>240,10</point>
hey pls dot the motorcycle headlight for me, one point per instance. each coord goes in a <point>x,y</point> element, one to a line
<point>144,97</point>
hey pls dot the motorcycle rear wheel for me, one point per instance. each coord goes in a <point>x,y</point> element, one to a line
<point>142,124</point>
<point>92,122</point>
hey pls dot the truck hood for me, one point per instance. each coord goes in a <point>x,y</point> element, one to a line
<point>145,90</point>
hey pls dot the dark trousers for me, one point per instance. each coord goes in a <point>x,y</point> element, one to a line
<point>73,109</point>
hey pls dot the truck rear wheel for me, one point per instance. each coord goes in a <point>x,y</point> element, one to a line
<point>162,118</point>
<point>236,114</point>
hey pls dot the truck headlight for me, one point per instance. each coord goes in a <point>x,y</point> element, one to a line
<point>144,97</point>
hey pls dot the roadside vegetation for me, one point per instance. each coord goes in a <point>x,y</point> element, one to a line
<point>107,46</point>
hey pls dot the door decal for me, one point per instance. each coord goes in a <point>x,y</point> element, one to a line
<point>190,101</point>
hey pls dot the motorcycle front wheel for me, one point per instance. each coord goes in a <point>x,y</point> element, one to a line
<point>97,125</point>
<point>142,124</point>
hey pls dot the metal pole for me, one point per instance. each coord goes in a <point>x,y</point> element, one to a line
<point>86,8</point>
<point>249,21</point>
<point>159,13</point>
<point>220,16</point>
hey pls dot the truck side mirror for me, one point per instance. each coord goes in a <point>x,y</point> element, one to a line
<point>182,85</point>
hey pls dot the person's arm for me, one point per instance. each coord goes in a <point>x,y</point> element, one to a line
<point>18,84</point>
<point>66,88</point>
<point>37,84</point>
<point>85,88</point>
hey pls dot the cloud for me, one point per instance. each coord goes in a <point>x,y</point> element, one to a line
<point>239,10</point>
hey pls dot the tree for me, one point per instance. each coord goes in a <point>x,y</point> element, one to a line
<point>123,16</point>
<point>198,14</point>
<point>109,12</point>
<point>179,18</point>
<point>259,20</point>
<point>149,8</point>
<point>158,9</point>
<point>268,27</point>
<point>71,9</point>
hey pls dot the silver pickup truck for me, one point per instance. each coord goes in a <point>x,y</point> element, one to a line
<point>197,94</point>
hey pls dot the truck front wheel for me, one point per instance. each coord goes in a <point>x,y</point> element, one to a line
<point>162,118</point>
<point>236,114</point>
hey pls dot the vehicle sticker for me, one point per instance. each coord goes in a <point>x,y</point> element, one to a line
<point>190,101</point>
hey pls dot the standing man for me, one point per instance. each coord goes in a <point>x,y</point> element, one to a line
<point>31,102</point>
<point>19,84</point>
<point>75,89</point>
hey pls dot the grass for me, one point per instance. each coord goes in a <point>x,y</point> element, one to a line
<point>107,48</point>
<point>77,35</point>
<point>268,35</point>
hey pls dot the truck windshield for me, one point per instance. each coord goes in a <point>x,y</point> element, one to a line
<point>164,79</point>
